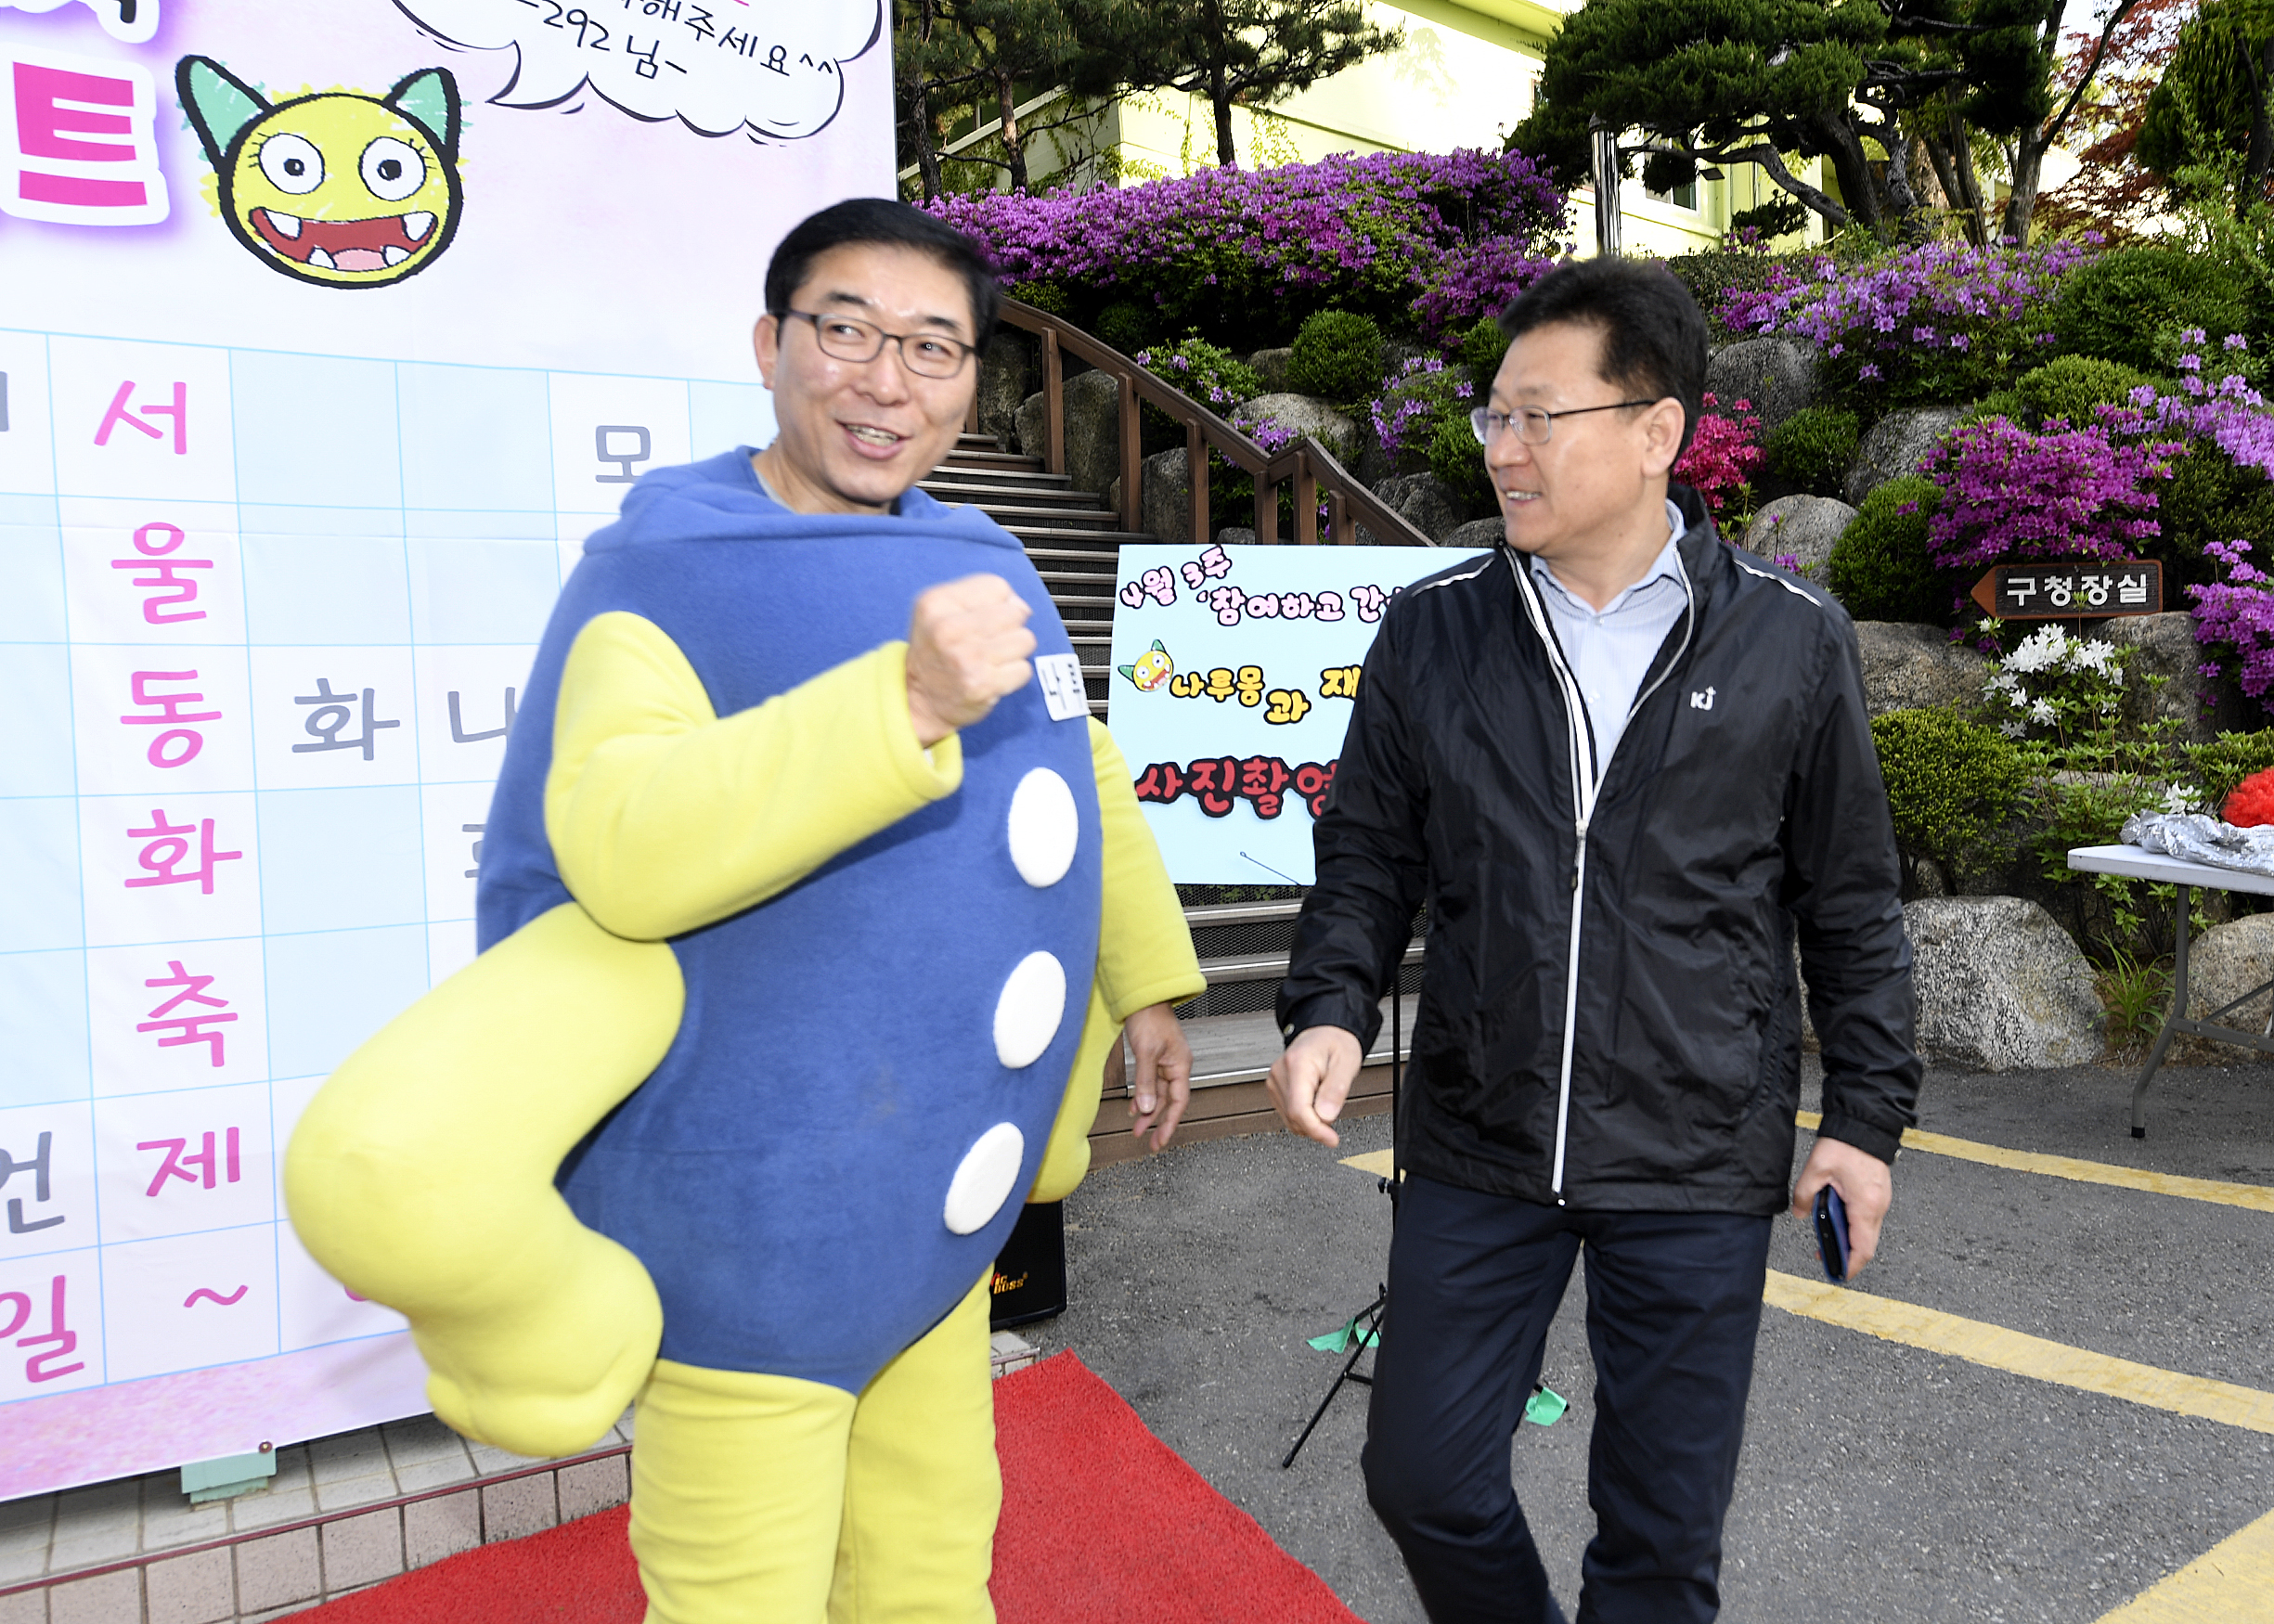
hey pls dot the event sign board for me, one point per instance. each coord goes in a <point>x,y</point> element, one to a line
<point>1234,670</point>
<point>328,332</point>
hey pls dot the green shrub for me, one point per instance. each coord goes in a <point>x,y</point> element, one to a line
<point>1811,449</point>
<point>1455,457</point>
<point>1951,783</point>
<point>1048,295</point>
<point>1879,568</point>
<point>1128,327</point>
<point>1337,356</point>
<point>2004,402</point>
<point>1483,348</point>
<point>2072,386</point>
<point>2120,305</point>
<point>2209,497</point>
<point>2227,761</point>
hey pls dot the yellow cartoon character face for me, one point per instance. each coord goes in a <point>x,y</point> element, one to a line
<point>338,188</point>
<point>1152,669</point>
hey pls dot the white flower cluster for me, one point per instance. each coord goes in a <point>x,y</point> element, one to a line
<point>2048,654</point>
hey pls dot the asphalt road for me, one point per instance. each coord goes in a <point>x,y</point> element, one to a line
<point>1878,1482</point>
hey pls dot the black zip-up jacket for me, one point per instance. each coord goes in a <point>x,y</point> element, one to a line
<point>1610,1017</point>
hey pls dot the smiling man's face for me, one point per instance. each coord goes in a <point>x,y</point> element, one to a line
<point>853,435</point>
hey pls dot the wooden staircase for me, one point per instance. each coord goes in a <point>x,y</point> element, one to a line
<point>1074,539</point>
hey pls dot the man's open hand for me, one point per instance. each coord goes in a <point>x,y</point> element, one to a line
<point>1865,1186</point>
<point>967,647</point>
<point>1309,1082</point>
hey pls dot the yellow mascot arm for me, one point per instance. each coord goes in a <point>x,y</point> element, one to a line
<point>1144,957</point>
<point>664,816</point>
<point>422,1177</point>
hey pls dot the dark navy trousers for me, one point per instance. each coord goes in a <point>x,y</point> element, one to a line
<point>1673,1307</point>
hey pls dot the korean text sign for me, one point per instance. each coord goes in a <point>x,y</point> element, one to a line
<point>331,332</point>
<point>1234,670</point>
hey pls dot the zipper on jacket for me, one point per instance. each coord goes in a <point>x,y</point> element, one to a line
<point>1586,786</point>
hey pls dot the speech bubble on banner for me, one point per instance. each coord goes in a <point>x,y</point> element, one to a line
<point>767,66</point>
<point>128,21</point>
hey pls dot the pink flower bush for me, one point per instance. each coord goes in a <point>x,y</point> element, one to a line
<point>1722,454</point>
<point>2009,493</point>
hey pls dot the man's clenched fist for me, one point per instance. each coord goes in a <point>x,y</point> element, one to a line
<point>967,647</point>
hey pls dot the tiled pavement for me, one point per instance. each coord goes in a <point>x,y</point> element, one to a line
<point>259,1577</point>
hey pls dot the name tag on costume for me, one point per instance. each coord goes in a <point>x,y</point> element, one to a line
<point>1063,694</point>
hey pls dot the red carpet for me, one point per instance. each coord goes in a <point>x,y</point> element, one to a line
<point>1102,1523</point>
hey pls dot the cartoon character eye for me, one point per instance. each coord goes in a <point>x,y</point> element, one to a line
<point>293,164</point>
<point>393,169</point>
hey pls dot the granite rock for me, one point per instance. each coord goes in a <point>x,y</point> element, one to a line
<point>1307,413</point>
<point>1895,445</point>
<point>1917,668</point>
<point>1999,986</point>
<point>1803,526</point>
<point>1776,376</point>
<point>1422,500</point>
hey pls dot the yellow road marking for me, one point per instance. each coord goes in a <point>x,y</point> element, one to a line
<point>2231,1583</point>
<point>1373,1161</point>
<point>2023,1355</point>
<point>2259,1197</point>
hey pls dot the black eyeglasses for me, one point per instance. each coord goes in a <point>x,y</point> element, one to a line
<point>1531,424</point>
<point>847,337</point>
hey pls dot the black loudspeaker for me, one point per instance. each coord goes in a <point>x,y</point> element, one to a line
<point>1029,1282</point>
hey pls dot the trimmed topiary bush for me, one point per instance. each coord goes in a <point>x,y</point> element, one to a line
<point>2074,386</point>
<point>2119,305</point>
<point>2005,403</point>
<point>1337,356</point>
<point>1881,567</point>
<point>1127,328</point>
<point>1811,449</point>
<point>1951,784</point>
<point>1483,348</point>
<point>2209,498</point>
<point>1455,457</point>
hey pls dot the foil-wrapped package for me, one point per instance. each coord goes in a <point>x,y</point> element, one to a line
<point>2196,837</point>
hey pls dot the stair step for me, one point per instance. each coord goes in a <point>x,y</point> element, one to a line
<point>1005,513</point>
<point>992,487</point>
<point>994,461</point>
<point>1046,533</point>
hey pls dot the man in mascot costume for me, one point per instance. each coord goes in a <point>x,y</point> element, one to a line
<point>803,864</point>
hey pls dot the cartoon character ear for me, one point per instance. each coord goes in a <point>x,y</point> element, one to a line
<point>219,104</point>
<point>1127,671</point>
<point>429,99</point>
<point>1157,647</point>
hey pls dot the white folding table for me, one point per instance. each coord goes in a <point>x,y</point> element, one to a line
<point>2134,863</point>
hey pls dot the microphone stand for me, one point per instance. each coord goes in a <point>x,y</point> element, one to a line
<point>1365,1327</point>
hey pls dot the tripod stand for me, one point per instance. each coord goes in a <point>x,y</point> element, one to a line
<point>1366,1326</point>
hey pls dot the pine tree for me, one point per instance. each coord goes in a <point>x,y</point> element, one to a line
<point>1245,53</point>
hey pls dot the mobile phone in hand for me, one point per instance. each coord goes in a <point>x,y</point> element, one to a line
<point>1832,1233</point>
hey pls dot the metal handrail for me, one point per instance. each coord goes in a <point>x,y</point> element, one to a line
<point>1314,470</point>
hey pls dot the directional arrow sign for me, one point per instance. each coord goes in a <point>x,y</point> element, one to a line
<point>2084,590</point>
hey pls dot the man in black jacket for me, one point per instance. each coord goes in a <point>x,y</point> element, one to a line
<point>1621,763</point>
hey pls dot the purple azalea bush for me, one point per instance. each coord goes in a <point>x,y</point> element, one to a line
<point>1243,255</point>
<point>1940,322</point>
<point>1413,399</point>
<point>2011,494</point>
<point>2238,612</point>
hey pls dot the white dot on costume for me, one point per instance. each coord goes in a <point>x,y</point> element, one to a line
<point>984,1178</point>
<point>1029,1010</point>
<point>1044,827</point>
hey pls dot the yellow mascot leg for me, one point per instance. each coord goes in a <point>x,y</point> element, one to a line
<point>921,1486</point>
<point>738,1482</point>
<point>421,1178</point>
